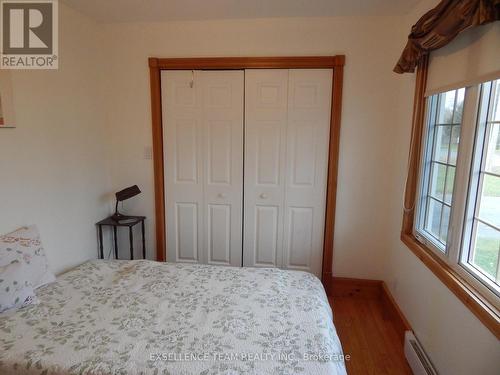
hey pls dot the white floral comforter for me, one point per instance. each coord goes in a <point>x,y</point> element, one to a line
<point>144,317</point>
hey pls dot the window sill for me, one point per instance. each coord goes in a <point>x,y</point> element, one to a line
<point>475,302</point>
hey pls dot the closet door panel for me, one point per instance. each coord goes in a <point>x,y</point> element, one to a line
<point>186,232</point>
<point>267,136</point>
<point>265,139</point>
<point>219,152</point>
<point>222,118</point>
<point>309,108</point>
<point>300,236</point>
<point>219,233</point>
<point>186,153</point>
<point>182,140</point>
<point>266,236</point>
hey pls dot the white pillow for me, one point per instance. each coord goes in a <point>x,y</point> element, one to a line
<point>25,244</point>
<point>15,290</point>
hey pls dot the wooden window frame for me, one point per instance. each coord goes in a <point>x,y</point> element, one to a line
<point>487,313</point>
<point>336,63</point>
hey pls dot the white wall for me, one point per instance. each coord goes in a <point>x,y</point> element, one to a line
<point>7,98</point>
<point>365,149</point>
<point>53,166</point>
<point>456,341</point>
<point>96,109</point>
<point>376,121</point>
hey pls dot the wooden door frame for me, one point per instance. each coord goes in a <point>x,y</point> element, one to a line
<point>336,63</point>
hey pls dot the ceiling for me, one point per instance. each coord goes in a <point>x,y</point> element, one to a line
<point>175,10</point>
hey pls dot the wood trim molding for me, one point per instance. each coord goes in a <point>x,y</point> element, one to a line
<point>393,312</point>
<point>155,83</point>
<point>341,287</point>
<point>484,311</point>
<point>359,288</point>
<point>336,63</point>
<point>333,165</point>
<point>281,62</point>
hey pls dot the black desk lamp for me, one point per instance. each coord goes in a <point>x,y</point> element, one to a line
<point>121,196</point>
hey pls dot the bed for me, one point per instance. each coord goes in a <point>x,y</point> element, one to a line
<point>145,317</point>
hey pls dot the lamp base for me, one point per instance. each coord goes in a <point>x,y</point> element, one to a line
<point>117,217</point>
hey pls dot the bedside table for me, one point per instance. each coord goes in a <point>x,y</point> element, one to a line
<point>126,221</point>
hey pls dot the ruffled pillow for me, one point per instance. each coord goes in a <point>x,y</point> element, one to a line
<point>24,244</point>
<point>15,290</point>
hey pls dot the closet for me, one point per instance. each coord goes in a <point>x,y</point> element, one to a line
<point>245,166</point>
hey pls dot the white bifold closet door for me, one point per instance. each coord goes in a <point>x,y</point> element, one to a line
<point>287,122</point>
<point>203,157</point>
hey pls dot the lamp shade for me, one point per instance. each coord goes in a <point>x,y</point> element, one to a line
<point>127,193</point>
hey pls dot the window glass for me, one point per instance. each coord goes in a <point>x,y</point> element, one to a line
<point>482,245</point>
<point>441,152</point>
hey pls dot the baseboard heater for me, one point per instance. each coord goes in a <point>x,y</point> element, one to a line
<point>419,362</point>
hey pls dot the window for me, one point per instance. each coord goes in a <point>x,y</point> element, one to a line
<point>481,242</point>
<point>440,161</point>
<point>458,197</point>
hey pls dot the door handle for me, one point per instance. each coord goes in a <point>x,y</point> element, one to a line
<point>263,196</point>
<point>221,195</point>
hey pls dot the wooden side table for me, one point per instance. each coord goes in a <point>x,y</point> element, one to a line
<point>126,221</point>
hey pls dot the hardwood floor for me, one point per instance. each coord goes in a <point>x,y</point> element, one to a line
<point>371,341</point>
